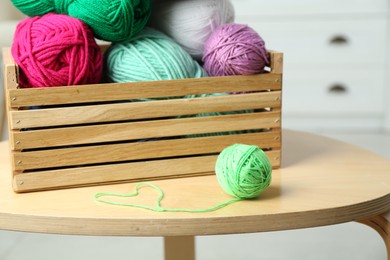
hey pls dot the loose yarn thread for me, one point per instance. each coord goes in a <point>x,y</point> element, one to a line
<point>56,50</point>
<point>190,22</point>
<point>113,21</point>
<point>150,55</point>
<point>234,49</point>
<point>99,197</point>
<point>243,171</point>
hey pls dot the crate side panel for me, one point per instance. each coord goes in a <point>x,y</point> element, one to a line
<point>139,90</point>
<point>76,156</point>
<point>145,130</point>
<point>136,171</point>
<point>62,116</point>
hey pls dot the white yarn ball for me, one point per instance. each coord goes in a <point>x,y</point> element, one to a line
<point>190,22</point>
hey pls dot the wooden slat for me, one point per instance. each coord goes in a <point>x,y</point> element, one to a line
<point>274,157</point>
<point>112,173</point>
<point>141,110</point>
<point>2,118</point>
<point>143,130</point>
<point>276,62</point>
<point>137,171</point>
<point>74,156</point>
<point>135,90</point>
<point>10,82</point>
<point>11,71</point>
<point>138,90</point>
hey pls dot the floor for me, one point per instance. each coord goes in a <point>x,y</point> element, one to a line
<point>340,242</point>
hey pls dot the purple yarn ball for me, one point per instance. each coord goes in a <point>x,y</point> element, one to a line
<point>234,49</point>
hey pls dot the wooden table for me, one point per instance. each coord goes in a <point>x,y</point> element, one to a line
<point>321,182</point>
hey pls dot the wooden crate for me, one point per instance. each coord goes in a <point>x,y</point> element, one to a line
<point>88,135</point>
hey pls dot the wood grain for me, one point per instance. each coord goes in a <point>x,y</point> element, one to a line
<point>74,115</point>
<point>121,172</point>
<point>308,190</point>
<point>137,90</point>
<point>85,155</point>
<point>143,130</point>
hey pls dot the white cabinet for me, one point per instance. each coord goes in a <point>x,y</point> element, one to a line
<point>287,8</point>
<point>335,57</point>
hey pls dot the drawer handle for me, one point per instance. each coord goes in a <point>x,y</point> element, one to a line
<point>338,89</point>
<point>339,40</point>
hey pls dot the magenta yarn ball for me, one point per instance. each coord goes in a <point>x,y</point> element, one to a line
<point>234,49</point>
<point>56,50</point>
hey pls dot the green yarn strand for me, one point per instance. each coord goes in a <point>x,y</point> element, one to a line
<point>110,20</point>
<point>61,6</point>
<point>243,171</point>
<point>119,21</point>
<point>34,7</point>
<point>158,208</point>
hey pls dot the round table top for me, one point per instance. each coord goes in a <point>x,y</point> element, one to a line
<point>322,181</point>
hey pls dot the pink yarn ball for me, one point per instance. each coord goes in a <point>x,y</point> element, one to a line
<point>234,49</point>
<point>56,50</point>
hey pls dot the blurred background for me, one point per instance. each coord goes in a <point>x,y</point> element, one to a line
<point>336,83</point>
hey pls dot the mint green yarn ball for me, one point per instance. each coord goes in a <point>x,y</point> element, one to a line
<point>150,55</point>
<point>243,171</point>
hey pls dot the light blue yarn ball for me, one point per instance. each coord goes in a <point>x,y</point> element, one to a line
<point>150,55</point>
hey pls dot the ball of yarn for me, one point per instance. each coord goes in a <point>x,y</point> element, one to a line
<point>243,171</point>
<point>151,55</point>
<point>56,50</point>
<point>114,20</point>
<point>234,49</point>
<point>190,22</point>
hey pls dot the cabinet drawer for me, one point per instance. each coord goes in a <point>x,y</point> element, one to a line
<point>334,92</point>
<point>343,42</point>
<point>278,8</point>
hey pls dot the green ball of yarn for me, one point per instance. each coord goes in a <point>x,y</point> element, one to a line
<point>243,171</point>
<point>150,55</point>
<point>113,21</point>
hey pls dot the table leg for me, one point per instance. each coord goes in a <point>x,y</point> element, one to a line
<point>179,248</point>
<point>382,226</point>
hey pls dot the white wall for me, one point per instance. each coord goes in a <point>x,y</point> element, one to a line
<point>9,12</point>
<point>387,97</point>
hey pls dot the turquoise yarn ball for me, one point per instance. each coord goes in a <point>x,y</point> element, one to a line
<point>150,55</point>
<point>243,171</point>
